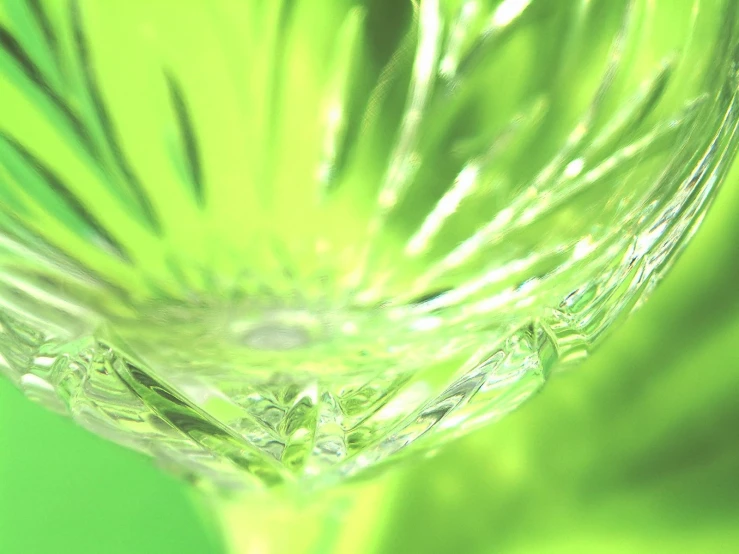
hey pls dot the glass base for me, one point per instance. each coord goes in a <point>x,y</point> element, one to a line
<point>288,521</point>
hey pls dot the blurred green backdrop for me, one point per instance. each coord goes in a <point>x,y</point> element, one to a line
<point>637,451</point>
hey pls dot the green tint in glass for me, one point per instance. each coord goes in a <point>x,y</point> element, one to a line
<point>277,241</point>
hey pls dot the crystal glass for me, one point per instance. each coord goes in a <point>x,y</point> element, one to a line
<point>277,245</point>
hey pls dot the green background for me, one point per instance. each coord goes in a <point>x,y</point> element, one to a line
<point>636,451</point>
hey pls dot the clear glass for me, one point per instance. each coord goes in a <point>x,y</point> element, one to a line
<point>277,244</point>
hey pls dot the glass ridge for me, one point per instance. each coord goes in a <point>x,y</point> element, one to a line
<point>267,242</point>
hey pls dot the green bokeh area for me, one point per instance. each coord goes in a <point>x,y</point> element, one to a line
<point>636,451</point>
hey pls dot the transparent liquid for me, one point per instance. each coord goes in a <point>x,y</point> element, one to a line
<point>277,241</point>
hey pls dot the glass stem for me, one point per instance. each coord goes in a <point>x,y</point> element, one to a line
<point>348,518</point>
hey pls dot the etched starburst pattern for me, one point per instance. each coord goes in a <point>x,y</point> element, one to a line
<point>276,241</point>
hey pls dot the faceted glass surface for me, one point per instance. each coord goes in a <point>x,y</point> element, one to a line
<point>275,241</point>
